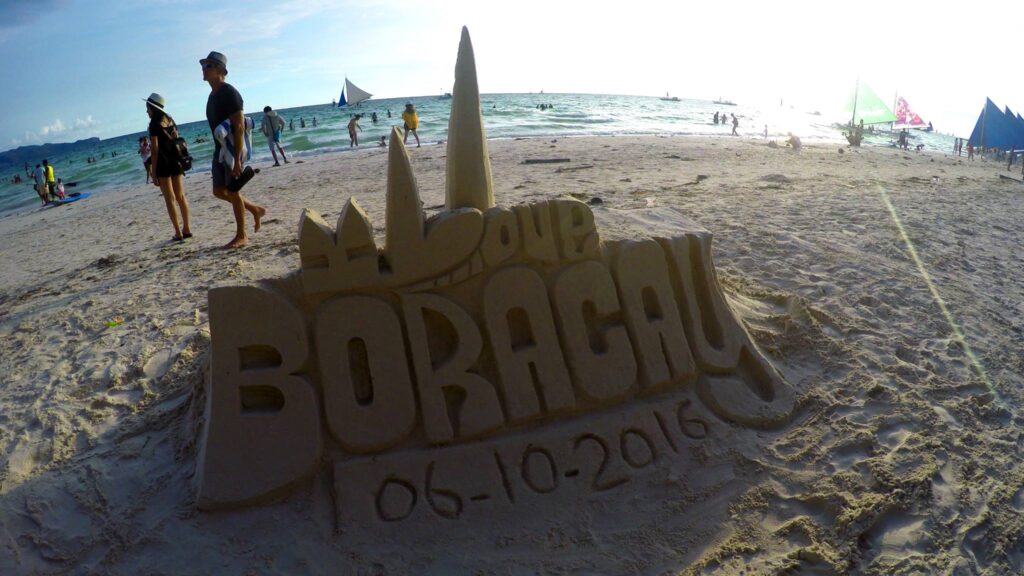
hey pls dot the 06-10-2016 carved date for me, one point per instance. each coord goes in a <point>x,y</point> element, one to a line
<point>589,455</point>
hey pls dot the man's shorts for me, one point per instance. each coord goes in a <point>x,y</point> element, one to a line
<point>221,173</point>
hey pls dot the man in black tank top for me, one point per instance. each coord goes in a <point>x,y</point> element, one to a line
<point>223,104</point>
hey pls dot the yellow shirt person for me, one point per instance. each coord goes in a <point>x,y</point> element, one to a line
<point>412,122</point>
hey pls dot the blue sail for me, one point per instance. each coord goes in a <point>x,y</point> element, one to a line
<point>994,129</point>
<point>1018,128</point>
<point>341,99</point>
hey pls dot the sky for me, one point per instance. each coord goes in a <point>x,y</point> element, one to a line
<point>76,69</point>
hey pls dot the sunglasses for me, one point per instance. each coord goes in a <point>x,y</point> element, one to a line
<point>209,65</point>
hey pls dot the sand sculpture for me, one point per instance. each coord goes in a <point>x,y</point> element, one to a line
<point>494,350</point>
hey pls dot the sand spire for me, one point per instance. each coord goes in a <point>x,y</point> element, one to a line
<point>417,249</point>
<point>468,182</point>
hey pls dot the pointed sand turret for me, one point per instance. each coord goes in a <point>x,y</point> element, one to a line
<point>417,249</point>
<point>469,183</point>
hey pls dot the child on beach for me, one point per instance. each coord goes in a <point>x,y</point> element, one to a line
<point>144,153</point>
<point>383,143</point>
<point>794,141</point>
<point>60,188</point>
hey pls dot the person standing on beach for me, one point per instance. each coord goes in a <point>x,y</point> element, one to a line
<point>735,125</point>
<point>39,176</point>
<point>412,123</point>
<point>51,182</point>
<point>353,128</point>
<point>271,127</point>
<point>145,154</point>
<point>168,173</point>
<point>225,104</point>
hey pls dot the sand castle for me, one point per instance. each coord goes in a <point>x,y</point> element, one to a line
<point>503,350</point>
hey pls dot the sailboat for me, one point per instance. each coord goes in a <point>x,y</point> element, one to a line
<point>865,107</point>
<point>355,94</point>
<point>668,98</point>
<point>907,118</point>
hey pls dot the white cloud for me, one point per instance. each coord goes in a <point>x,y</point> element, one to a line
<point>56,128</point>
<point>88,122</point>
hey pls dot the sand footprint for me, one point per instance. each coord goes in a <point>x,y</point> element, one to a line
<point>159,363</point>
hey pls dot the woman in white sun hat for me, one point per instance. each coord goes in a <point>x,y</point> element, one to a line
<point>168,172</point>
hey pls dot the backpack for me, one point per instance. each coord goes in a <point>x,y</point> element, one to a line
<point>179,148</point>
<point>184,158</point>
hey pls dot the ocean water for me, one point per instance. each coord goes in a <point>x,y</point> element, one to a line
<point>505,116</point>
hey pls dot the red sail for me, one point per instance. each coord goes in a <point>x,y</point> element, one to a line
<point>905,117</point>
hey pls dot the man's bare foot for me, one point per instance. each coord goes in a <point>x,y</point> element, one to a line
<point>237,243</point>
<point>258,212</point>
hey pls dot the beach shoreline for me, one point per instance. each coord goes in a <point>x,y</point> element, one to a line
<point>115,162</point>
<point>881,283</point>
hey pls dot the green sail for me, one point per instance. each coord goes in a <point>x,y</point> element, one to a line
<point>865,105</point>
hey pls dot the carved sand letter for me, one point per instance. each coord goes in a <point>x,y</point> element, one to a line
<point>501,236</point>
<point>713,332</point>
<point>576,229</point>
<point>337,261</point>
<point>652,316</point>
<point>417,250</point>
<point>525,344</point>
<point>757,395</point>
<point>370,406</point>
<point>468,183</point>
<point>263,428</point>
<point>454,401</point>
<point>600,356</point>
<point>536,231</point>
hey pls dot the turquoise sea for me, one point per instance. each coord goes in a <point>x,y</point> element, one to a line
<point>505,116</point>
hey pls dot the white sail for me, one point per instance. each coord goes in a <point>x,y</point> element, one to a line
<point>355,94</point>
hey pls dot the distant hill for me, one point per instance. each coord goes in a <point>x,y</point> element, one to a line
<point>34,154</point>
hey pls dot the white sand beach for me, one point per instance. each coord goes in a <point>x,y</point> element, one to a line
<point>884,285</point>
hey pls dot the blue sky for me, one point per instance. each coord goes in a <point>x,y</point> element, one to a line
<point>74,69</point>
